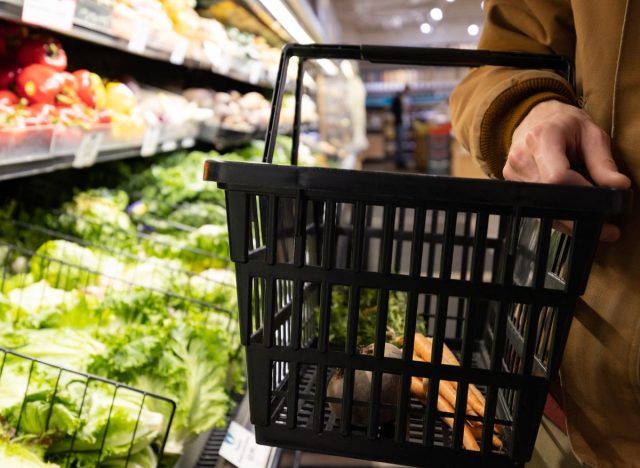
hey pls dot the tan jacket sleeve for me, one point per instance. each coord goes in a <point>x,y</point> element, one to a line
<point>490,102</point>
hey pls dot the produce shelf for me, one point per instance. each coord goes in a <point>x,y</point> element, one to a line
<point>12,10</point>
<point>30,165</point>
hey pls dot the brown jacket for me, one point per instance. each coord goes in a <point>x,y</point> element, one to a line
<point>601,366</point>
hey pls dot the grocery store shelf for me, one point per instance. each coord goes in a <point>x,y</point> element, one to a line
<point>12,10</point>
<point>30,165</point>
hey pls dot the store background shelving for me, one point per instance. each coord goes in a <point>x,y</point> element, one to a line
<point>186,63</point>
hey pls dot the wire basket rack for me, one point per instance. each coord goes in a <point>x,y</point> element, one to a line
<point>93,273</point>
<point>76,417</point>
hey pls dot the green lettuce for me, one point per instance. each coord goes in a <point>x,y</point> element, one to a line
<point>41,306</point>
<point>65,265</point>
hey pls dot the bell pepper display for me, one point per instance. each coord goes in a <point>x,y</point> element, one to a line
<point>37,90</point>
<point>43,51</point>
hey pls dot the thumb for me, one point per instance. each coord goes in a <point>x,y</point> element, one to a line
<point>595,146</point>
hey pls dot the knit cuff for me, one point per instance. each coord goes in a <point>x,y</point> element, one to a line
<point>509,109</point>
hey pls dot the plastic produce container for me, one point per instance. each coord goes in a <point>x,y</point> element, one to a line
<point>474,264</point>
<point>31,142</point>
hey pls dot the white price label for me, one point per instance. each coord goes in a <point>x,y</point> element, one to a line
<point>87,151</point>
<point>256,72</point>
<point>139,38</point>
<point>150,142</point>
<point>179,51</point>
<point>56,14</point>
<point>239,447</point>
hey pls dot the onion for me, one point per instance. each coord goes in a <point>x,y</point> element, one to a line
<point>362,390</point>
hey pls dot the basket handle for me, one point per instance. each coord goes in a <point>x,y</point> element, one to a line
<point>391,55</point>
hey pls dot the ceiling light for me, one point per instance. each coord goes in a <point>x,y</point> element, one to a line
<point>425,28</point>
<point>482,5</point>
<point>436,14</point>
<point>282,15</point>
<point>473,30</point>
<point>450,1</point>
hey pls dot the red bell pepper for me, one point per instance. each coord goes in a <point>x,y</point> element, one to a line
<point>44,51</point>
<point>39,84</point>
<point>90,89</point>
<point>8,98</point>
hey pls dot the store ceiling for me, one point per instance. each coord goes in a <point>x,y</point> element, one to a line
<point>399,21</point>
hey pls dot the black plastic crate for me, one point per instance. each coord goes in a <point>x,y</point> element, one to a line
<point>486,274</point>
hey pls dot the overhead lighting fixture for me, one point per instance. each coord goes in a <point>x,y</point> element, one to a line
<point>473,30</point>
<point>482,5</point>
<point>282,15</point>
<point>436,14</point>
<point>450,1</point>
<point>278,10</point>
<point>425,28</point>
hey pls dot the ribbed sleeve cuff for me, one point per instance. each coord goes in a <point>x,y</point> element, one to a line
<point>509,109</point>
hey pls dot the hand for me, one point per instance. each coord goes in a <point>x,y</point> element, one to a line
<point>553,137</point>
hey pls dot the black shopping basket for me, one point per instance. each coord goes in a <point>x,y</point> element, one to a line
<point>329,260</point>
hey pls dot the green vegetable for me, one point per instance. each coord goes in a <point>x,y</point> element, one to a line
<point>67,347</point>
<point>367,316</point>
<point>197,214</point>
<point>99,216</point>
<point>15,455</point>
<point>165,186</point>
<point>65,265</point>
<point>41,306</point>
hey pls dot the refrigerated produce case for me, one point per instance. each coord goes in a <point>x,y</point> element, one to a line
<point>70,248</point>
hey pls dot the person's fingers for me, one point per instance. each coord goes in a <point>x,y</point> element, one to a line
<point>521,166</point>
<point>550,155</point>
<point>596,152</point>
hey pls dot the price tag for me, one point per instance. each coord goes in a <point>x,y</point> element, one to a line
<point>179,51</point>
<point>87,151</point>
<point>255,73</point>
<point>150,142</point>
<point>56,14</point>
<point>139,38</point>
<point>239,447</point>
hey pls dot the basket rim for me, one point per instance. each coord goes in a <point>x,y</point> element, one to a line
<point>385,187</point>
